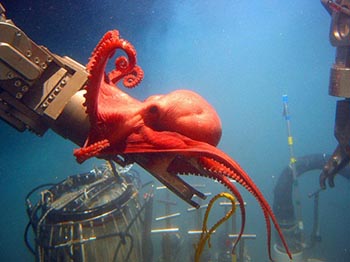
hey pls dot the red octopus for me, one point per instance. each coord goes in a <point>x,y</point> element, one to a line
<point>168,135</point>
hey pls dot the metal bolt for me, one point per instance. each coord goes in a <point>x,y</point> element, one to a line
<point>18,83</point>
<point>18,33</point>
<point>45,105</point>
<point>57,90</point>
<point>51,97</point>
<point>36,60</point>
<point>43,65</point>
<point>49,59</point>
<point>29,53</point>
<point>9,75</point>
<point>19,95</point>
<point>63,82</point>
<point>25,88</point>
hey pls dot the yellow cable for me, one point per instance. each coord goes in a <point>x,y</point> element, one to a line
<point>234,258</point>
<point>205,236</point>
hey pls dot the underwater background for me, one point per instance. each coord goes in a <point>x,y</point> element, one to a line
<point>242,56</point>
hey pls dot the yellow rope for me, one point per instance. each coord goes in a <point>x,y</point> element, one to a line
<point>205,236</point>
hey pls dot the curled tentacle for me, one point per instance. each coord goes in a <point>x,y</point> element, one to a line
<point>134,78</point>
<point>132,75</point>
<point>94,54</point>
<point>125,66</point>
<point>121,66</point>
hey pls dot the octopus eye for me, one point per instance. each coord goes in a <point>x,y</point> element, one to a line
<point>153,109</point>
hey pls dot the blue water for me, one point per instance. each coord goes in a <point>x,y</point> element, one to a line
<point>242,56</point>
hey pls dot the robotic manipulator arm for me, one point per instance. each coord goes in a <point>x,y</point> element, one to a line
<point>339,86</point>
<point>38,89</point>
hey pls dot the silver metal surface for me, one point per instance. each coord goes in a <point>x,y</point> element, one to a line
<point>37,85</point>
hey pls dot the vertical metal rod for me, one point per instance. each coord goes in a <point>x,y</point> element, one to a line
<point>315,235</point>
<point>290,137</point>
<point>292,166</point>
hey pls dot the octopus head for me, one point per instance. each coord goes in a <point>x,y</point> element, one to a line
<point>184,112</point>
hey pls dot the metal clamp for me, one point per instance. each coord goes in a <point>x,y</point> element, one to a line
<point>35,84</point>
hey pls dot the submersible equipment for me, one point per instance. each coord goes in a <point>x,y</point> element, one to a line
<point>94,216</point>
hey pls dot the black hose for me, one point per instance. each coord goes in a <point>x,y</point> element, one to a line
<point>31,212</point>
<point>38,187</point>
<point>31,249</point>
<point>283,199</point>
